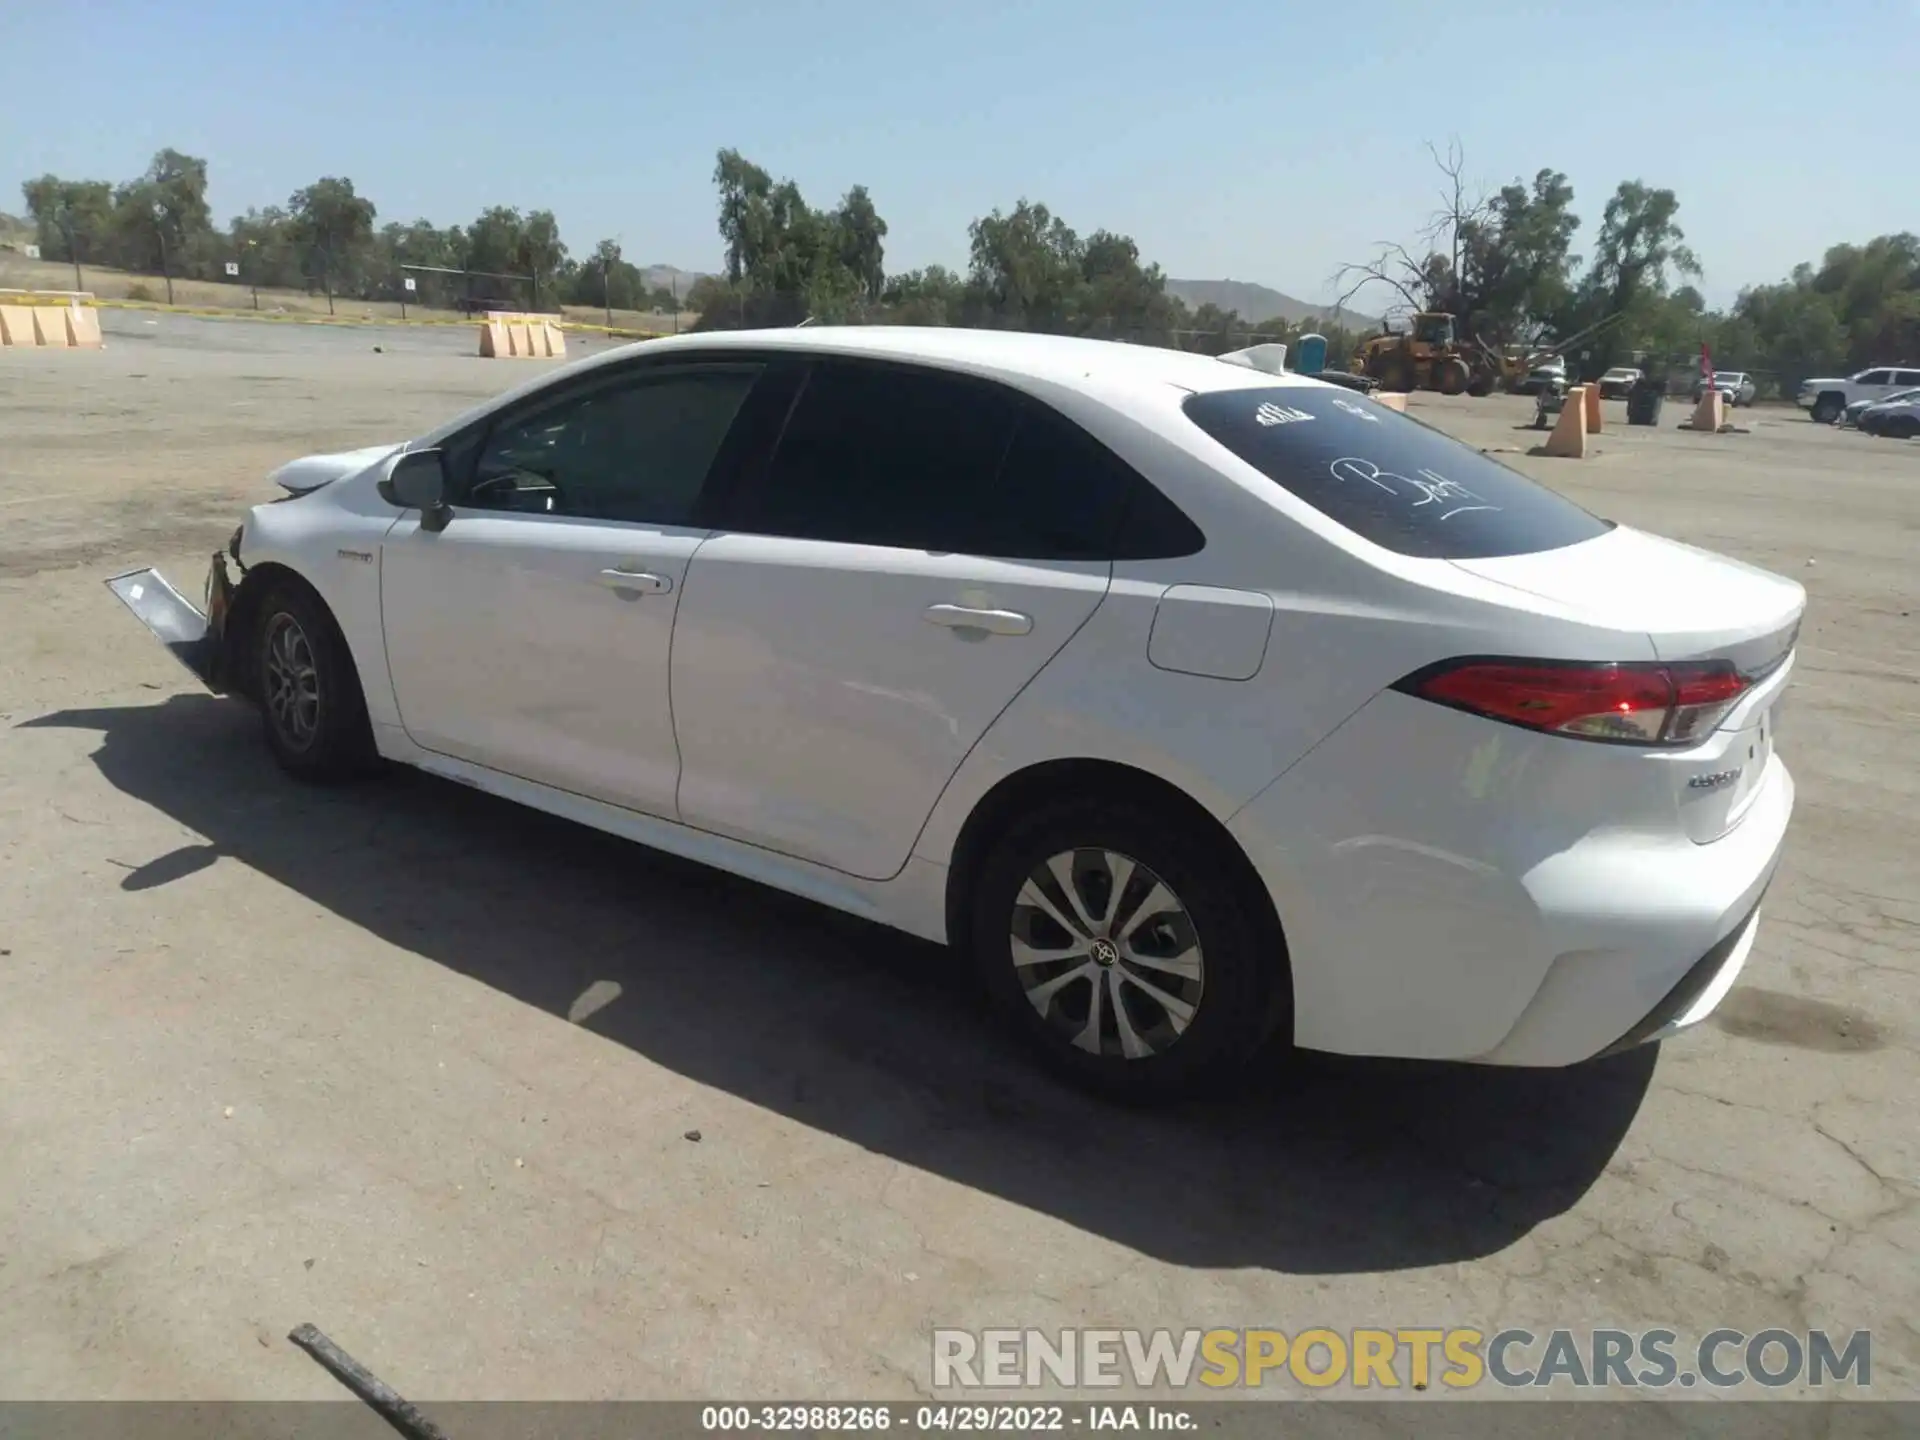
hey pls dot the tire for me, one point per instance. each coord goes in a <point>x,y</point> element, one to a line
<point>1828,408</point>
<point>1231,989</point>
<point>1481,387</point>
<point>1399,375</point>
<point>311,706</point>
<point>1453,377</point>
<point>1902,429</point>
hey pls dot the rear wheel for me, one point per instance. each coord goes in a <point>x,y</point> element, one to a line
<point>1828,408</point>
<point>311,705</point>
<point>1129,948</point>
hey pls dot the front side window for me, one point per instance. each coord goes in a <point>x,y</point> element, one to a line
<point>1876,377</point>
<point>635,449</point>
<point>1388,478</point>
<point>887,455</point>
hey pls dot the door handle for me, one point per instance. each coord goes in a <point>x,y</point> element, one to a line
<point>968,617</point>
<point>641,582</point>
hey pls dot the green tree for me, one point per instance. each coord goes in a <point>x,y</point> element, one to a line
<point>785,261</point>
<point>933,296</point>
<point>264,245</point>
<point>161,219</point>
<point>71,217</point>
<point>607,279</point>
<point>333,228</point>
<point>540,254</point>
<point>1518,261</point>
<point>1640,245</point>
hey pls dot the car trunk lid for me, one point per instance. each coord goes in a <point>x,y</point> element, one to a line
<point>1693,605</point>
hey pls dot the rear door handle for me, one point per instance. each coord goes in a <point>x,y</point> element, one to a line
<point>968,617</point>
<point>642,582</point>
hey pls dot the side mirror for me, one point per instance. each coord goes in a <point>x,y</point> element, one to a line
<point>418,481</point>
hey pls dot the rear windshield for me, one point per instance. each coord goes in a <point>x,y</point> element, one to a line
<point>1387,478</point>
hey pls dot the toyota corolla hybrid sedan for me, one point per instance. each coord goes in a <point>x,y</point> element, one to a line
<point>1192,706</point>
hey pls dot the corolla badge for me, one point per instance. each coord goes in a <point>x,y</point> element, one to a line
<point>1714,781</point>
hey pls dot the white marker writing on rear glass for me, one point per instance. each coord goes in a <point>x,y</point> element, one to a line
<point>1430,489</point>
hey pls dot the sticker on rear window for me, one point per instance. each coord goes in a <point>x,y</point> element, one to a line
<point>1279,415</point>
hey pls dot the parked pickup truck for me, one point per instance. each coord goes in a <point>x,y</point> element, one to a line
<point>1828,399</point>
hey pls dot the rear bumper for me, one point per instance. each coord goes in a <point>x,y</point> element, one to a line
<point>194,637</point>
<point>1452,890</point>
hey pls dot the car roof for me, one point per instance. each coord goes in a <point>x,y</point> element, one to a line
<point>1011,354</point>
<point>1092,367</point>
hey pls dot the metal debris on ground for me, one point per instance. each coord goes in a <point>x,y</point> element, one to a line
<point>385,1401</point>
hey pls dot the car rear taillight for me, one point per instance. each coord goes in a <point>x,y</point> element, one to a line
<point>1630,704</point>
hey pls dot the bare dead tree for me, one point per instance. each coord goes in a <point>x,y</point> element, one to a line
<point>1431,274</point>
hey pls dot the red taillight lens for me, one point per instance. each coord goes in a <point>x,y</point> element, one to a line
<point>1630,704</point>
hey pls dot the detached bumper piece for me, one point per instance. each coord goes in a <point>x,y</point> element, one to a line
<point>195,638</point>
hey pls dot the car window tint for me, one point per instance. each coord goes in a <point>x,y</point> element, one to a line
<point>1875,377</point>
<point>884,455</point>
<point>1060,494</point>
<point>1906,377</point>
<point>636,449</point>
<point>1388,478</point>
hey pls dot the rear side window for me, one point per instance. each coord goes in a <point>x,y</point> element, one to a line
<point>919,459</point>
<point>1390,479</point>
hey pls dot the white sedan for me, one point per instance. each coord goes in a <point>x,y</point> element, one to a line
<point>1192,706</point>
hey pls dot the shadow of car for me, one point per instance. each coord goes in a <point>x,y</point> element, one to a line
<point>1322,1165</point>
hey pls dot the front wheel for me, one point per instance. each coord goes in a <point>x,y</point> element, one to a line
<point>311,705</point>
<point>1127,945</point>
<point>1827,409</point>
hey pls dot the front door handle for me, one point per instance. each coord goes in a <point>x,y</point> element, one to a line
<point>968,617</point>
<point>641,582</point>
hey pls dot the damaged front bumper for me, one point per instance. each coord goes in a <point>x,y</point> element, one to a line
<point>196,638</point>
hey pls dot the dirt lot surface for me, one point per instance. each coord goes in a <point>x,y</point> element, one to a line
<point>514,1110</point>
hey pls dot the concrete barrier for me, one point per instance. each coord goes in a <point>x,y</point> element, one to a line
<point>49,320</point>
<point>1569,437</point>
<point>507,335</point>
<point>1593,409</point>
<point>1392,399</point>
<point>1711,413</point>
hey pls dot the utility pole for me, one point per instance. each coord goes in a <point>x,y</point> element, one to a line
<point>160,231</point>
<point>64,218</point>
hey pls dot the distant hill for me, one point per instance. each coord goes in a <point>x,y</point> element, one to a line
<point>15,232</point>
<point>671,276</point>
<point>1257,304</point>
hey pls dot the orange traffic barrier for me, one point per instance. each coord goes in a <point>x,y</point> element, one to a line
<point>1593,409</point>
<point>1711,413</point>
<point>508,335</point>
<point>1569,437</point>
<point>49,320</point>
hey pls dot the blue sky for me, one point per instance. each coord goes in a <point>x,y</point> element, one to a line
<point>1254,141</point>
